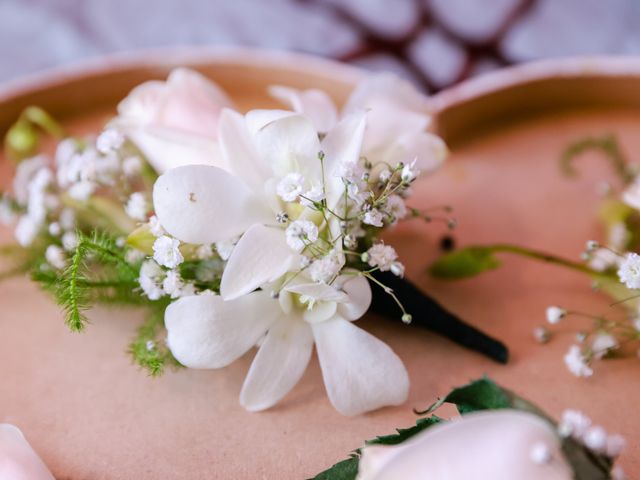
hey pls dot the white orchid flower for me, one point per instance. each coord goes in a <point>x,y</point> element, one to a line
<point>496,445</point>
<point>175,122</point>
<point>397,119</point>
<point>205,205</point>
<point>18,461</point>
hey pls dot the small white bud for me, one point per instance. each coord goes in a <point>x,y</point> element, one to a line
<point>555,314</point>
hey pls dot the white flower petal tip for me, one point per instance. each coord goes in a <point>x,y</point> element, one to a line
<point>18,461</point>
<point>203,204</point>
<point>315,104</point>
<point>207,332</point>
<point>500,445</point>
<point>361,373</point>
<point>358,291</point>
<point>261,256</point>
<point>280,363</point>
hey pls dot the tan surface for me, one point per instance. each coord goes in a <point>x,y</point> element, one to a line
<point>94,416</point>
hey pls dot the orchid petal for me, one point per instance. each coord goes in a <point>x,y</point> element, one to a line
<point>257,119</point>
<point>358,292</point>
<point>202,204</point>
<point>206,331</point>
<point>314,104</point>
<point>497,445</point>
<point>428,150</point>
<point>239,151</point>
<point>290,144</point>
<point>318,291</point>
<point>360,372</point>
<point>279,364</point>
<point>18,461</point>
<point>342,146</point>
<point>262,255</point>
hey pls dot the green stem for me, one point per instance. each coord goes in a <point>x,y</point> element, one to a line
<point>544,257</point>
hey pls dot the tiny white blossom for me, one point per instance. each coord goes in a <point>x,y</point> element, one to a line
<point>617,473</point>
<point>615,445</point>
<point>133,255</point>
<point>109,140</point>
<point>395,208</point>
<point>573,423</point>
<point>409,172</point>
<point>300,233</point>
<point>602,344</point>
<point>225,248</point>
<point>56,257</point>
<point>385,175</point>
<point>69,241</point>
<point>631,196</point>
<point>595,438</point>
<point>350,172</point>
<point>150,287</point>
<point>373,217</point>
<point>618,236</point>
<point>576,363</point>
<point>326,268</point>
<point>602,259</point>
<point>67,219</point>
<point>150,268</point>
<point>381,256</point>
<point>166,252</point>
<point>137,206</point>
<point>155,228</point>
<point>173,284</point>
<point>314,194</point>
<point>55,229</point>
<point>132,166</point>
<point>82,190</point>
<point>629,271</point>
<point>26,230</point>
<point>290,186</point>
<point>555,314</point>
<point>204,252</point>
<point>397,269</point>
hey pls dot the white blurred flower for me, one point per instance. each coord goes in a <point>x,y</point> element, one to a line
<point>137,206</point>
<point>150,279</point>
<point>132,166</point>
<point>602,344</point>
<point>573,423</point>
<point>602,259</point>
<point>109,140</point>
<point>576,362</point>
<point>555,314</point>
<point>409,172</point>
<point>301,233</point>
<point>69,241</point>
<point>56,257</point>
<point>326,268</point>
<point>595,438</point>
<point>166,251</point>
<point>373,217</point>
<point>629,271</point>
<point>67,219</point>
<point>26,230</point>
<point>155,228</point>
<point>290,187</point>
<point>382,256</point>
<point>631,196</point>
<point>18,461</point>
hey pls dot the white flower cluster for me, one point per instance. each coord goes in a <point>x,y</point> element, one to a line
<point>577,425</point>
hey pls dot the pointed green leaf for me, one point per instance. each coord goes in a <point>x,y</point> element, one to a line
<point>464,263</point>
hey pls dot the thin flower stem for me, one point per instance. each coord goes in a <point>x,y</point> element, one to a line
<point>544,257</point>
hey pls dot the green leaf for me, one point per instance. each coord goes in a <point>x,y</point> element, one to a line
<point>344,470</point>
<point>464,263</point>
<point>406,433</point>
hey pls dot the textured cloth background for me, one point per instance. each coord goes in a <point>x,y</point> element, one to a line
<point>433,42</point>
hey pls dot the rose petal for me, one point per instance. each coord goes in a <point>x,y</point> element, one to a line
<point>360,372</point>
<point>257,119</point>
<point>164,148</point>
<point>262,255</point>
<point>358,292</point>
<point>202,204</point>
<point>496,445</point>
<point>207,332</point>
<point>427,149</point>
<point>239,151</point>
<point>314,104</point>
<point>279,364</point>
<point>18,461</point>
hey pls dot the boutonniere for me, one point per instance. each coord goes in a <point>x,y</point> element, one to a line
<point>242,230</point>
<point>498,435</point>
